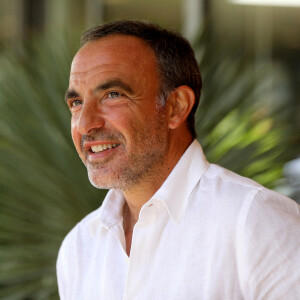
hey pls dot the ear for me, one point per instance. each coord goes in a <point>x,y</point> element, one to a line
<point>181,101</point>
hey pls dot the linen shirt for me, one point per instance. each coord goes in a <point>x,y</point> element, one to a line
<point>207,233</point>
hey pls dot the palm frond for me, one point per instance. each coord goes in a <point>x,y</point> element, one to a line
<point>44,189</point>
<point>237,124</point>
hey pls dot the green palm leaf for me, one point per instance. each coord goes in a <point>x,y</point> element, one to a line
<point>44,189</point>
<point>237,125</point>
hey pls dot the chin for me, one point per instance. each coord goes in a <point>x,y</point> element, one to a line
<point>111,181</point>
<point>100,181</point>
<point>97,181</point>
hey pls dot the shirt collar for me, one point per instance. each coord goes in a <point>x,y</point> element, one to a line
<point>110,212</point>
<point>174,192</point>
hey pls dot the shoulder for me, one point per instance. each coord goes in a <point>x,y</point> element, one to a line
<point>227,178</point>
<point>257,208</point>
<point>227,190</point>
<point>241,199</point>
<point>265,226</point>
<point>270,214</point>
<point>80,232</point>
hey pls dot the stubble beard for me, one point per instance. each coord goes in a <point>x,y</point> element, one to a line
<point>131,167</point>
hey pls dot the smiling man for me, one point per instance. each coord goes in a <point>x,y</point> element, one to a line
<point>172,226</point>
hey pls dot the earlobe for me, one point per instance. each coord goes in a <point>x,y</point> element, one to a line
<point>181,102</point>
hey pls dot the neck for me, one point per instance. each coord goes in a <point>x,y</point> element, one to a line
<point>138,195</point>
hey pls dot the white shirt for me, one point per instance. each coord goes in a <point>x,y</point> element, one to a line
<point>207,233</point>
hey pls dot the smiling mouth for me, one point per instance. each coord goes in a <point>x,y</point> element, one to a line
<point>103,147</point>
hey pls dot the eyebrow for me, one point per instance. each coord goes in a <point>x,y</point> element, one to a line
<point>71,94</point>
<point>114,83</point>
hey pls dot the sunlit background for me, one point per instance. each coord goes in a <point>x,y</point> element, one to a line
<point>248,120</point>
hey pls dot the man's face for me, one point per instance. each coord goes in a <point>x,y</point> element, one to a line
<point>118,131</point>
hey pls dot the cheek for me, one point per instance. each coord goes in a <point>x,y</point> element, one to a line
<point>76,137</point>
<point>73,132</point>
<point>120,121</point>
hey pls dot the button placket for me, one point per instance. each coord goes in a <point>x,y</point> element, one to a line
<point>140,251</point>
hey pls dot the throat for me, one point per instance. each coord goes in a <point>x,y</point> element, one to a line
<point>128,225</point>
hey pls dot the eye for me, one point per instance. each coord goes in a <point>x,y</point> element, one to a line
<point>75,103</point>
<point>114,98</point>
<point>113,95</point>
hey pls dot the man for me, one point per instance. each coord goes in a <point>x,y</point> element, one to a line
<point>172,226</point>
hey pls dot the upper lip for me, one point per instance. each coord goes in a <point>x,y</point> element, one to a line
<point>88,145</point>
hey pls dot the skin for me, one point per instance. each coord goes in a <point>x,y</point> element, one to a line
<point>112,96</point>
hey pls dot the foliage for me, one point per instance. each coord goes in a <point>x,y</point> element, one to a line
<point>44,189</point>
<point>243,119</point>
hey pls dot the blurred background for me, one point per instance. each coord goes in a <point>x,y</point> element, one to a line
<point>248,119</point>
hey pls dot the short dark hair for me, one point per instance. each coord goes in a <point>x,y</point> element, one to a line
<point>175,57</point>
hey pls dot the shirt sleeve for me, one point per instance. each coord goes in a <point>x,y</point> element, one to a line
<point>272,248</point>
<point>61,278</point>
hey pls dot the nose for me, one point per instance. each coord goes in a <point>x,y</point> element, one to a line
<point>90,118</point>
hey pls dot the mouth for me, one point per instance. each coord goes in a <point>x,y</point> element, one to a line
<point>102,147</point>
<point>100,150</point>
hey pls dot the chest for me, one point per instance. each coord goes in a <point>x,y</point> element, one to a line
<point>167,261</point>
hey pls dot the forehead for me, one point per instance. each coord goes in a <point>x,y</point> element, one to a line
<point>115,53</point>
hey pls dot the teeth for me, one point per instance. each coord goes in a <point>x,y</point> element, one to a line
<point>100,148</point>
